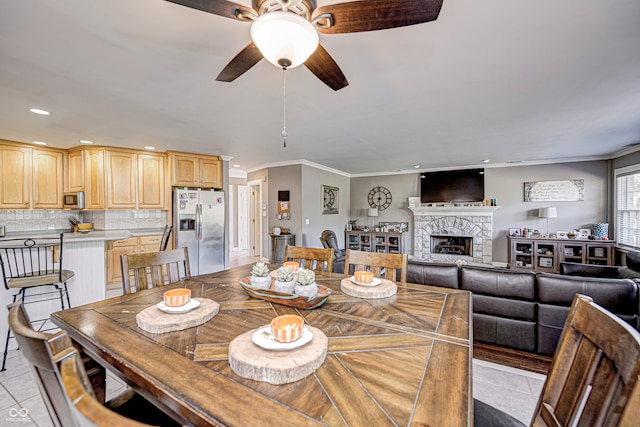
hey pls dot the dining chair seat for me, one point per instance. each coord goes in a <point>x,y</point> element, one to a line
<point>594,378</point>
<point>40,279</point>
<point>318,259</point>
<point>32,270</point>
<point>45,352</point>
<point>383,265</point>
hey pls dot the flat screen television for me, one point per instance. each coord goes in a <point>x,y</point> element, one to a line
<point>452,186</point>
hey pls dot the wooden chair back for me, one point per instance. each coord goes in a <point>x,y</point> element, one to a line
<point>318,259</point>
<point>41,351</point>
<point>154,269</point>
<point>166,235</point>
<point>387,266</point>
<point>87,411</point>
<point>593,379</point>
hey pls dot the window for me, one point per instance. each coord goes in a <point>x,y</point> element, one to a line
<point>628,206</point>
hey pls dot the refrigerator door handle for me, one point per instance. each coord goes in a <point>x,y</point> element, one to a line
<point>199,221</point>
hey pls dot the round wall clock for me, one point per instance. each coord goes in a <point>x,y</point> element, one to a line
<point>379,197</point>
<point>329,198</point>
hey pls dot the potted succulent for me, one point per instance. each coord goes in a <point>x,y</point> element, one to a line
<point>260,276</point>
<point>285,280</point>
<point>306,285</point>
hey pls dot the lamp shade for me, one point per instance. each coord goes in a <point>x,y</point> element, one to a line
<point>372,212</point>
<point>547,213</point>
<point>284,38</point>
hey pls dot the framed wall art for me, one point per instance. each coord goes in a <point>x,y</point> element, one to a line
<point>515,232</point>
<point>330,198</point>
<point>569,190</point>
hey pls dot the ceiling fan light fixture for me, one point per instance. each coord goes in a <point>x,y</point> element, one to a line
<point>285,39</point>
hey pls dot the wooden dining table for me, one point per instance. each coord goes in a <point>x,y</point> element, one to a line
<point>404,360</point>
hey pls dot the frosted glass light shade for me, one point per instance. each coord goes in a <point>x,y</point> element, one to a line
<point>285,39</point>
<point>547,213</point>
<point>372,212</point>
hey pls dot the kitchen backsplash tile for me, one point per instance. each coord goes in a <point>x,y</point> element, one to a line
<point>39,220</point>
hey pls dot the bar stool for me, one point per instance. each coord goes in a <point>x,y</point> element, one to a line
<point>32,269</point>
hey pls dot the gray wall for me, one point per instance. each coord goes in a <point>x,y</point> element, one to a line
<point>312,201</point>
<point>507,186</point>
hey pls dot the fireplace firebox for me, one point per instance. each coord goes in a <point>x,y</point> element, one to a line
<point>452,245</point>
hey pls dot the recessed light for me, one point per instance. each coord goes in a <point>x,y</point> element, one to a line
<point>236,166</point>
<point>39,111</point>
<point>85,141</point>
<point>486,161</point>
<point>417,166</point>
<point>39,143</point>
<point>148,147</point>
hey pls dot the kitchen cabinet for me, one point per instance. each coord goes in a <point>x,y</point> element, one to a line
<point>132,245</point>
<point>48,180</point>
<point>15,177</point>
<point>118,178</point>
<point>31,178</point>
<point>191,170</point>
<point>545,255</point>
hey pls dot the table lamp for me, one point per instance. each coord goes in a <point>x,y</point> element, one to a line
<point>372,213</point>
<point>547,213</point>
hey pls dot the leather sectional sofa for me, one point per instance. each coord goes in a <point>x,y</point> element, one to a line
<point>525,310</point>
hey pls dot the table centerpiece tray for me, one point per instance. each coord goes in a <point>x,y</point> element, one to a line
<point>291,300</point>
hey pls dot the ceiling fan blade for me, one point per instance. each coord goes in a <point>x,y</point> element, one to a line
<point>369,15</point>
<point>326,69</point>
<point>223,8</point>
<point>240,64</point>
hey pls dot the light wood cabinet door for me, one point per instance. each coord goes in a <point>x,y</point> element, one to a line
<point>185,171</point>
<point>210,173</point>
<point>151,181</point>
<point>94,179</point>
<point>15,177</point>
<point>76,171</point>
<point>121,179</point>
<point>48,181</point>
<point>114,270</point>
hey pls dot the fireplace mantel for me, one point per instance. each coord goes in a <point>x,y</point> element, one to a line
<point>454,210</point>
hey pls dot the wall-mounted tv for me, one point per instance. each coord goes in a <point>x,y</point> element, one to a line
<point>452,186</point>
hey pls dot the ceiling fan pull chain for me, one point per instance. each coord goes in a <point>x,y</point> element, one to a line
<point>284,107</point>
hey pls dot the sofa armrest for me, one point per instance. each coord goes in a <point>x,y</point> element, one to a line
<point>589,270</point>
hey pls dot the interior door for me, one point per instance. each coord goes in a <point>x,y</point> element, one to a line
<point>255,219</point>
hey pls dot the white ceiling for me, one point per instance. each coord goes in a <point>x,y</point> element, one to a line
<point>505,80</point>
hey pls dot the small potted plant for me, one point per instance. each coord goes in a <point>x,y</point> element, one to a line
<point>260,276</point>
<point>285,280</point>
<point>306,285</point>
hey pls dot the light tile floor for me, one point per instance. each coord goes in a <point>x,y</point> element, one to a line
<point>512,390</point>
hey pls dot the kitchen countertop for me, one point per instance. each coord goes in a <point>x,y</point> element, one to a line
<point>91,236</point>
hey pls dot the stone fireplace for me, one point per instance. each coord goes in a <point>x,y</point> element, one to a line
<point>453,233</point>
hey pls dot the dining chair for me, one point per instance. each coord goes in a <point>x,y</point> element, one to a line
<point>154,269</point>
<point>45,351</point>
<point>32,270</point>
<point>166,235</point>
<point>593,378</point>
<point>318,259</point>
<point>387,266</point>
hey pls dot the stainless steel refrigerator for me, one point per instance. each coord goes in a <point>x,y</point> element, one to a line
<point>198,221</point>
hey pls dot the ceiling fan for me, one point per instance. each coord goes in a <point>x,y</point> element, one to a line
<point>307,20</point>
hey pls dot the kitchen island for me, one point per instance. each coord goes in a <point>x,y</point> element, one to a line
<point>84,254</point>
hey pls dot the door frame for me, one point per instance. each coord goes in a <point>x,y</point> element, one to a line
<point>255,217</point>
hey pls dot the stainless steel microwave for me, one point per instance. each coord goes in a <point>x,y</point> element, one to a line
<point>73,200</point>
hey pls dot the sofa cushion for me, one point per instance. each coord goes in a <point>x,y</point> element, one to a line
<point>588,270</point>
<point>498,282</point>
<point>620,296</point>
<point>433,273</point>
<point>633,260</point>
<point>504,307</point>
<point>518,334</point>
